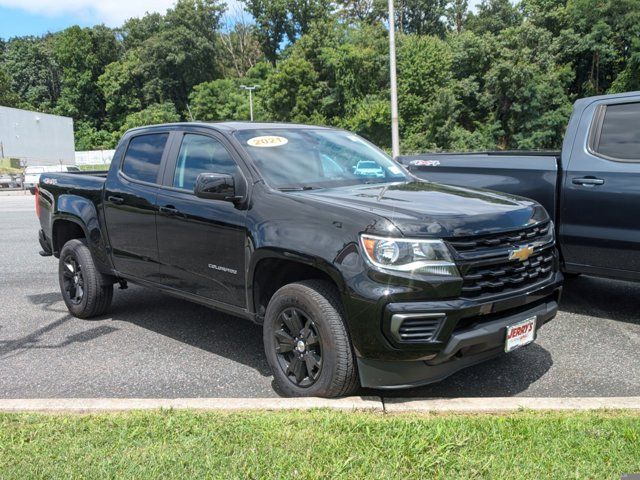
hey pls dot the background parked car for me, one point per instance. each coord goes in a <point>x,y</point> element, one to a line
<point>10,181</point>
<point>32,174</point>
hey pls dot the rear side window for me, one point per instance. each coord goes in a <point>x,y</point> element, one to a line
<point>142,160</point>
<point>620,133</point>
<point>200,154</point>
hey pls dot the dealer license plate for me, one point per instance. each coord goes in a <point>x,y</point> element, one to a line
<point>520,334</point>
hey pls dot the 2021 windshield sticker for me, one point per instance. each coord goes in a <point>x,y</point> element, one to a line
<point>267,141</point>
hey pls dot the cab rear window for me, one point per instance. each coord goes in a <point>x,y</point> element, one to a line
<point>143,157</point>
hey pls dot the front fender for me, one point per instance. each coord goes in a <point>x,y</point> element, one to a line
<point>272,253</point>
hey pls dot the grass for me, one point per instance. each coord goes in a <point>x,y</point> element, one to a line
<point>98,166</point>
<point>4,170</point>
<point>319,444</point>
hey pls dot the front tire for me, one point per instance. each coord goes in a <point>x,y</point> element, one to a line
<point>306,341</point>
<point>84,289</point>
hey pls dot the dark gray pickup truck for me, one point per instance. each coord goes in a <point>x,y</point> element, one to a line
<point>591,188</point>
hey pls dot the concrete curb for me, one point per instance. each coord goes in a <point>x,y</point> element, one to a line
<point>11,193</point>
<point>508,404</point>
<point>85,405</point>
<point>376,404</point>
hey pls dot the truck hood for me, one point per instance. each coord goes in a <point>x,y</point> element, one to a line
<point>430,209</point>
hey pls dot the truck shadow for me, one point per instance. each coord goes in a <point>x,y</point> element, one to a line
<point>41,338</point>
<point>241,341</point>
<point>602,298</point>
<point>231,337</point>
<point>504,376</point>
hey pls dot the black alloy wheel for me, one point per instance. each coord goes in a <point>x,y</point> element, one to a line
<point>85,291</point>
<point>306,341</point>
<point>298,347</point>
<point>73,280</point>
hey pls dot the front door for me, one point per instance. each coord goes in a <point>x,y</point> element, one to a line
<point>601,203</point>
<point>130,206</point>
<point>201,242</point>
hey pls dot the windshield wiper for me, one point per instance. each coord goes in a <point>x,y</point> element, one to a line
<point>296,189</point>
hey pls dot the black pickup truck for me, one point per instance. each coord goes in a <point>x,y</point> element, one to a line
<point>591,189</point>
<point>359,272</point>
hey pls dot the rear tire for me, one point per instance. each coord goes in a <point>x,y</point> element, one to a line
<point>85,291</point>
<point>306,341</point>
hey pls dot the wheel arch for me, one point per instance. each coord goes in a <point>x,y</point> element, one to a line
<point>77,217</point>
<point>271,269</point>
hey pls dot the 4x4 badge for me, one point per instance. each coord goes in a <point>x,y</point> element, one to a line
<point>521,253</point>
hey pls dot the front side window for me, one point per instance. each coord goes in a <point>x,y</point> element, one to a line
<point>300,158</point>
<point>620,134</point>
<point>143,157</point>
<point>200,154</point>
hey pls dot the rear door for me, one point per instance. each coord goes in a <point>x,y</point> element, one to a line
<point>601,195</point>
<point>202,242</point>
<point>130,205</point>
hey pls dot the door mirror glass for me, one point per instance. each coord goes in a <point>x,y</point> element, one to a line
<point>216,186</point>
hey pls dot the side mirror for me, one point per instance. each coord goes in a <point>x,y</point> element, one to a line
<point>216,186</point>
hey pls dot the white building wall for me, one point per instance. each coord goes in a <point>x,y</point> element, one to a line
<point>94,157</point>
<point>36,138</point>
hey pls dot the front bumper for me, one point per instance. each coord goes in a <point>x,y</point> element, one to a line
<point>465,347</point>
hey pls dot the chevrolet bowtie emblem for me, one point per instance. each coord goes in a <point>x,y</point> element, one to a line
<point>521,253</point>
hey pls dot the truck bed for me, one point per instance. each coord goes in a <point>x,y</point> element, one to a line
<point>528,174</point>
<point>58,190</point>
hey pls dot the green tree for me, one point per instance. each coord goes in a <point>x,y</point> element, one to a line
<point>240,47</point>
<point>8,97</point>
<point>292,93</point>
<point>34,74</point>
<point>355,12</point>
<point>457,13</point>
<point>493,16</point>
<point>122,86</point>
<point>304,13</point>
<point>89,138</point>
<point>82,55</point>
<point>424,71</point>
<point>135,31</point>
<point>166,57</point>
<point>223,100</point>
<point>606,42</point>
<point>271,17</point>
<point>424,17</point>
<point>152,115</point>
<point>526,90</point>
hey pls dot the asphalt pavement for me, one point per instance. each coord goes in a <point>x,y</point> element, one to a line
<point>151,345</point>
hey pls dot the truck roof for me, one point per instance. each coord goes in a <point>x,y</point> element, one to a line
<point>232,126</point>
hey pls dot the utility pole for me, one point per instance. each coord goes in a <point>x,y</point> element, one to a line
<point>251,89</point>
<point>395,134</point>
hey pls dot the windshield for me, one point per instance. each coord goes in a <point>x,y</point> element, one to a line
<point>309,158</point>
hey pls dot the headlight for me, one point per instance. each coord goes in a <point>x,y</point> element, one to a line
<point>429,257</point>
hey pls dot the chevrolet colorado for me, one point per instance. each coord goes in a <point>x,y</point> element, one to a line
<point>359,273</point>
<point>590,188</point>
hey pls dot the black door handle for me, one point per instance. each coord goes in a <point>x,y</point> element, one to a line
<point>169,210</point>
<point>115,200</point>
<point>588,181</point>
